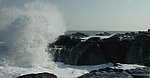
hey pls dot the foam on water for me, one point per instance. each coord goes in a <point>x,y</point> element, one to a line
<point>26,32</point>
<point>61,70</point>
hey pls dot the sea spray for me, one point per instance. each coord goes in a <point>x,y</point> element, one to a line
<point>26,32</point>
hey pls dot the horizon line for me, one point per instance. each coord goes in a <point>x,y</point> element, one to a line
<point>102,30</point>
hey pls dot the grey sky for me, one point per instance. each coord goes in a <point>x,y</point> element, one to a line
<point>102,14</point>
<point>105,14</point>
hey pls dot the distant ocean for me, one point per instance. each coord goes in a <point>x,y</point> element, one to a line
<point>96,32</point>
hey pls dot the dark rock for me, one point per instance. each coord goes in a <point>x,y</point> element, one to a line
<point>55,53</point>
<point>132,33</point>
<point>64,55</point>
<point>62,40</point>
<point>93,71</point>
<point>92,55</point>
<point>142,33</point>
<point>107,73</point>
<point>111,69</point>
<point>127,33</point>
<point>103,34</point>
<point>109,46</point>
<point>39,75</point>
<point>148,30</point>
<point>51,45</point>
<point>65,40</point>
<point>60,54</point>
<point>86,54</point>
<point>139,72</point>
<point>107,34</point>
<point>75,52</point>
<point>131,48</point>
<point>114,49</point>
<point>100,34</point>
<point>94,39</point>
<point>140,50</point>
<point>78,35</point>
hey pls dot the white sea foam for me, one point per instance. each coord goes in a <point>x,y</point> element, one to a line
<point>27,31</point>
<point>61,70</point>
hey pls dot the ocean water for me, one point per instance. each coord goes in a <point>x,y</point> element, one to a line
<point>24,35</point>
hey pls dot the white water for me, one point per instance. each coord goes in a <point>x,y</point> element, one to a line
<point>27,31</point>
<point>61,70</point>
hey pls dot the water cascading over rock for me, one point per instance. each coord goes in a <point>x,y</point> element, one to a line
<point>140,50</point>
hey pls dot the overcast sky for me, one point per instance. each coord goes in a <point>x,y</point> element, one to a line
<point>103,14</point>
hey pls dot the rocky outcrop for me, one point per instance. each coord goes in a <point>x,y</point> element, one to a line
<point>39,75</point>
<point>78,35</point>
<point>63,55</point>
<point>103,34</point>
<point>140,50</point>
<point>115,49</point>
<point>87,53</point>
<point>130,47</point>
<point>65,40</point>
<point>107,73</point>
<point>139,72</point>
<point>118,73</point>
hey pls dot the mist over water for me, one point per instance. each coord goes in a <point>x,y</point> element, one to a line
<point>26,32</point>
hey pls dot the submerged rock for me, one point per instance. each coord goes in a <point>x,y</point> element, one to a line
<point>39,75</point>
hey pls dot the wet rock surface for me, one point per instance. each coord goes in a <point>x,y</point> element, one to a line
<point>140,72</point>
<point>118,73</point>
<point>132,48</point>
<point>107,73</point>
<point>140,50</point>
<point>39,75</point>
<point>87,54</point>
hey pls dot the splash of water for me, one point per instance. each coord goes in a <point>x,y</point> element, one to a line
<point>26,32</point>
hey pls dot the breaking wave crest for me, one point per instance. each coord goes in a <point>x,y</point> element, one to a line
<point>26,31</point>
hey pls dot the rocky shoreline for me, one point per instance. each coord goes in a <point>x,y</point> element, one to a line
<point>117,71</point>
<point>128,48</point>
<point>142,72</point>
